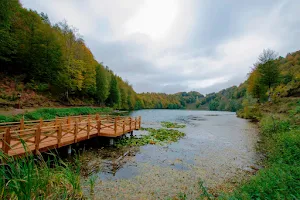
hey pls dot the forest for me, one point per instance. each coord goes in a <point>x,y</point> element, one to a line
<point>50,60</point>
<point>44,61</point>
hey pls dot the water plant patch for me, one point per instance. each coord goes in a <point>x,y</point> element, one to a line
<point>156,136</point>
<point>172,125</point>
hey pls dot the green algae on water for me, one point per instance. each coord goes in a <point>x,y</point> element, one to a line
<point>172,125</point>
<point>156,136</point>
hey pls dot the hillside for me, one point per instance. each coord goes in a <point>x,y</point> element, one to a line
<point>50,64</point>
<point>46,64</point>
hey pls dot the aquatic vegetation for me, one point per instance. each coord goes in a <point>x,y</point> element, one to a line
<point>155,136</point>
<point>34,178</point>
<point>204,194</point>
<point>172,125</point>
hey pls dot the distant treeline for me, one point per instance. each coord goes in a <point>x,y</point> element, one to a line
<point>271,77</point>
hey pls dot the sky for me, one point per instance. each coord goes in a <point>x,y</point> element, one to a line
<point>179,45</point>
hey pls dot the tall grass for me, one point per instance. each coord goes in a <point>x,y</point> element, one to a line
<point>281,177</point>
<point>34,178</point>
<point>51,113</point>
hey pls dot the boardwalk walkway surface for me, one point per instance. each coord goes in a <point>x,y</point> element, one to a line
<point>42,135</point>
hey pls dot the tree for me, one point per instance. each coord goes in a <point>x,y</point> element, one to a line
<point>269,72</point>
<point>124,98</point>
<point>255,88</point>
<point>268,69</point>
<point>8,42</point>
<point>131,99</point>
<point>102,87</point>
<point>114,93</point>
<point>267,55</point>
<point>214,105</point>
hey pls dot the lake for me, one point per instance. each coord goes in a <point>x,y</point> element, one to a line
<point>218,147</point>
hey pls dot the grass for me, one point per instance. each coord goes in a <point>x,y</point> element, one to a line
<point>155,136</point>
<point>280,179</point>
<point>34,178</point>
<point>172,125</point>
<point>51,113</point>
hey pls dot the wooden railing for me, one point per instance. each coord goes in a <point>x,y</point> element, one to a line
<point>40,135</point>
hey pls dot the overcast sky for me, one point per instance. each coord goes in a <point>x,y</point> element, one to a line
<point>179,45</point>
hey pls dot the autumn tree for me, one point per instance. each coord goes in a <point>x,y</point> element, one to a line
<point>255,88</point>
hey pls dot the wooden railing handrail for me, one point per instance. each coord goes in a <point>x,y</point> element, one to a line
<point>37,132</point>
<point>59,119</point>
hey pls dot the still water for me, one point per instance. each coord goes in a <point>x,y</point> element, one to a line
<point>217,147</point>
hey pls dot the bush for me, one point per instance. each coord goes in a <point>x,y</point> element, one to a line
<point>270,125</point>
<point>286,148</point>
<point>36,86</point>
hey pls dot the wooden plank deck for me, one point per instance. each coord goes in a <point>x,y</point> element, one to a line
<point>42,135</point>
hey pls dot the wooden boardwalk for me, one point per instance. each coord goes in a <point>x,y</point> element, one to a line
<point>43,135</point>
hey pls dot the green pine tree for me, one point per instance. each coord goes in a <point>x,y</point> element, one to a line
<point>114,96</point>
<point>102,87</point>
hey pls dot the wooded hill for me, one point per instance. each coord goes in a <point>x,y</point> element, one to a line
<point>51,62</point>
<point>53,58</point>
<point>47,62</point>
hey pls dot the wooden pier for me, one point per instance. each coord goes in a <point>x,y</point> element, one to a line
<point>43,135</point>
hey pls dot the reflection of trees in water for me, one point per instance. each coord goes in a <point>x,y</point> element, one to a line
<point>107,160</point>
<point>190,120</point>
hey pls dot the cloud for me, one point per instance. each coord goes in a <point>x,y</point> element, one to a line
<point>178,45</point>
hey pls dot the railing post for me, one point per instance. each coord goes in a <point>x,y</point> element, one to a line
<point>97,117</point>
<point>99,126</point>
<point>75,131</point>
<point>130,123</point>
<point>123,125</point>
<point>59,135</point>
<point>115,125</point>
<point>69,122</point>
<point>22,125</point>
<point>140,121</point>
<point>41,122</point>
<point>37,138</point>
<point>6,141</point>
<point>135,121</point>
<point>80,118</point>
<point>88,128</point>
